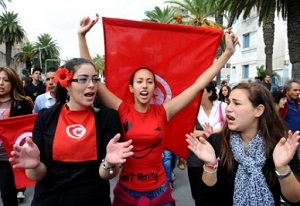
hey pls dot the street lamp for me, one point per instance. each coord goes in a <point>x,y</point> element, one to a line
<point>40,54</point>
<point>49,60</point>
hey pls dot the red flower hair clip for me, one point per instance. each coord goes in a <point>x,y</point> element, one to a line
<point>63,76</point>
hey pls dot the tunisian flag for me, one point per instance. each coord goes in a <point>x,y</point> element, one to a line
<point>13,131</point>
<point>177,54</point>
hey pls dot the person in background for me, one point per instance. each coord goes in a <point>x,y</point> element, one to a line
<point>75,148</point>
<point>253,158</point>
<point>279,100</point>
<point>36,87</point>
<point>139,117</point>
<point>47,99</point>
<point>12,103</point>
<point>224,93</point>
<point>291,110</point>
<point>210,119</point>
<point>223,83</point>
<point>267,82</point>
<point>258,79</point>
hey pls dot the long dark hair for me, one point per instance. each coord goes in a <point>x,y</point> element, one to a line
<point>211,87</point>
<point>270,123</point>
<point>221,96</point>
<point>61,93</point>
<point>17,91</point>
<point>138,69</point>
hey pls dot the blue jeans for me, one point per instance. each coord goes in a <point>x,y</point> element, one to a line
<point>150,194</point>
<point>169,162</point>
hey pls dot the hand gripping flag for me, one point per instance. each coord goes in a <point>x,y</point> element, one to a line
<point>13,131</point>
<point>177,54</point>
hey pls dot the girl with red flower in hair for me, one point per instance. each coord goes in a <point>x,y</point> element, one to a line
<point>73,143</point>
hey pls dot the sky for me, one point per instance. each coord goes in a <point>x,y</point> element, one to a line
<point>61,18</point>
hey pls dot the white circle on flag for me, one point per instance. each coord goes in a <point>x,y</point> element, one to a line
<point>22,137</point>
<point>162,92</point>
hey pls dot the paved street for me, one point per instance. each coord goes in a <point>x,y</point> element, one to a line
<point>181,191</point>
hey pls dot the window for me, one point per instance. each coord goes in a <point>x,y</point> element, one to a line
<point>246,40</point>
<point>227,65</point>
<point>245,72</point>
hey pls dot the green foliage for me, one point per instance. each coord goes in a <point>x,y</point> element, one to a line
<point>98,60</point>
<point>165,15</point>
<point>2,3</point>
<point>11,33</point>
<point>261,72</point>
<point>45,48</point>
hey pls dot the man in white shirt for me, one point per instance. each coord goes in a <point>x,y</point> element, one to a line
<point>47,99</point>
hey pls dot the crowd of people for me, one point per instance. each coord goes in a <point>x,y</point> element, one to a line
<point>245,138</point>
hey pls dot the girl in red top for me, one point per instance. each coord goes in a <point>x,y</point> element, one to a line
<point>142,180</point>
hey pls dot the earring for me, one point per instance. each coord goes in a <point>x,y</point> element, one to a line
<point>68,97</point>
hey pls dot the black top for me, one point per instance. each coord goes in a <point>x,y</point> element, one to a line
<point>33,91</point>
<point>268,85</point>
<point>73,183</point>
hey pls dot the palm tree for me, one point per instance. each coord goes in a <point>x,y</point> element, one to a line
<point>98,60</point>
<point>2,3</point>
<point>26,55</point>
<point>197,10</point>
<point>288,9</point>
<point>45,48</point>
<point>163,16</point>
<point>11,33</point>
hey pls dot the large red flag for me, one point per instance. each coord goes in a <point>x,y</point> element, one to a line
<point>13,131</point>
<point>177,54</point>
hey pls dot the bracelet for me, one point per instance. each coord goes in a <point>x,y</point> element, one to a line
<point>282,176</point>
<point>210,172</point>
<point>110,169</point>
<point>214,165</point>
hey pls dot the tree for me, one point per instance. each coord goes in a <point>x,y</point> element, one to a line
<point>197,11</point>
<point>11,33</point>
<point>289,10</point>
<point>163,16</point>
<point>98,60</point>
<point>26,55</point>
<point>45,48</point>
<point>2,3</point>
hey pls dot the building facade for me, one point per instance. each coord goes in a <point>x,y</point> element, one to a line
<point>251,52</point>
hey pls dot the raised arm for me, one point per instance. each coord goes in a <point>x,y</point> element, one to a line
<point>106,96</point>
<point>183,99</point>
<point>282,155</point>
<point>85,25</point>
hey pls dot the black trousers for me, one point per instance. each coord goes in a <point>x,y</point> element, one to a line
<point>7,184</point>
<point>195,179</point>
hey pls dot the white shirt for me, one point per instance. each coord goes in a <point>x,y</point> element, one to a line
<point>214,116</point>
<point>43,101</point>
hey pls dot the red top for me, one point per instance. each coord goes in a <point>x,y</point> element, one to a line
<point>143,171</point>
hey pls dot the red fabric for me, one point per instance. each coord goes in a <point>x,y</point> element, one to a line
<point>13,131</point>
<point>177,54</point>
<point>75,136</point>
<point>147,147</point>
